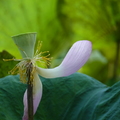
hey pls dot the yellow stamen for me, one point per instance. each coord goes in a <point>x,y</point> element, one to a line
<point>22,67</point>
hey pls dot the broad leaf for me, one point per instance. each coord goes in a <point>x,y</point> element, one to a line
<point>76,97</point>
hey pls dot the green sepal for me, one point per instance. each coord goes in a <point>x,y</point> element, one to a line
<point>25,43</point>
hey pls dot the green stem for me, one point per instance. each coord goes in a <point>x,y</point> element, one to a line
<point>30,91</point>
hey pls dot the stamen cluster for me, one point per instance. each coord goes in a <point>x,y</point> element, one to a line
<point>25,63</point>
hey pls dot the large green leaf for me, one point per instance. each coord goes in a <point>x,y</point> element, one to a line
<point>76,97</point>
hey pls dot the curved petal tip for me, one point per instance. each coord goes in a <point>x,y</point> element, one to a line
<point>76,57</point>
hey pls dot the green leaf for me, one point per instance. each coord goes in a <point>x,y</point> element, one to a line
<point>6,66</point>
<point>76,97</point>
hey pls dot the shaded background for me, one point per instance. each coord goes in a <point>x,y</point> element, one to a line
<point>60,23</point>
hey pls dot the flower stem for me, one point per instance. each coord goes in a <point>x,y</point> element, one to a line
<point>30,91</point>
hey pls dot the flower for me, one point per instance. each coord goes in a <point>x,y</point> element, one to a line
<point>73,61</point>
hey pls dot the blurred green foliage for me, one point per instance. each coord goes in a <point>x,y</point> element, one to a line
<point>60,23</point>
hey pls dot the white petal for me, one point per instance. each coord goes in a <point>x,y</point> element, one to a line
<point>50,73</point>
<point>73,61</point>
<point>37,94</point>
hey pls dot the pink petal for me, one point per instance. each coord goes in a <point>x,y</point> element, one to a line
<point>76,57</point>
<point>73,61</point>
<point>37,94</point>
